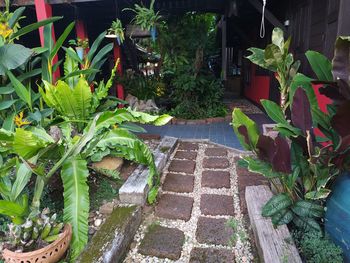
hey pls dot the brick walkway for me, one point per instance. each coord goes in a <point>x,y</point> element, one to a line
<point>198,199</point>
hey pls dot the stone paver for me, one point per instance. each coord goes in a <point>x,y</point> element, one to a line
<point>162,242</point>
<point>188,146</point>
<point>188,155</point>
<point>213,231</point>
<point>216,163</point>
<point>211,255</point>
<point>216,179</point>
<point>216,152</point>
<point>198,196</point>
<point>215,205</point>
<point>182,166</point>
<point>178,183</point>
<point>174,207</point>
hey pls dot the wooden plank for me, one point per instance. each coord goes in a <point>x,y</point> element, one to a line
<point>269,16</point>
<point>274,244</point>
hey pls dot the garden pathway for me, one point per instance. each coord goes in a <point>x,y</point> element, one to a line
<point>221,133</point>
<point>198,217</point>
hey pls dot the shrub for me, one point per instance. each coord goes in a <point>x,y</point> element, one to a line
<point>317,248</point>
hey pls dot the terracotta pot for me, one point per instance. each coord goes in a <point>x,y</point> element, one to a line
<point>49,254</point>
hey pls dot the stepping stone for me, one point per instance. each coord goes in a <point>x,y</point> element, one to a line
<point>182,166</point>
<point>215,205</point>
<point>178,183</point>
<point>186,155</point>
<point>162,242</point>
<point>216,179</point>
<point>188,146</point>
<point>216,163</point>
<point>213,231</point>
<point>216,152</point>
<point>211,255</point>
<point>174,207</point>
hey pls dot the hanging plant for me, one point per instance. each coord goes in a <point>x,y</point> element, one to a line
<point>116,31</point>
<point>80,46</point>
<point>146,18</point>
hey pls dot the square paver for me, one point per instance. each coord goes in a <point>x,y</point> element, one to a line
<point>215,205</point>
<point>188,146</point>
<point>178,183</point>
<point>187,155</point>
<point>182,166</point>
<point>216,163</point>
<point>217,151</point>
<point>174,207</point>
<point>211,255</point>
<point>213,231</point>
<point>216,179</point>
<point>162,242</point>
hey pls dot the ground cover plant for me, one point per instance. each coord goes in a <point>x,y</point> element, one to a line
<point>58,131</point>
<point>300,165</point>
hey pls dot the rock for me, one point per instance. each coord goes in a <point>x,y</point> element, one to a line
<point>131,100</point>
<point>91,231</point>
<point>98,222</point>
<point>108,163</point>
<point>107,208</point>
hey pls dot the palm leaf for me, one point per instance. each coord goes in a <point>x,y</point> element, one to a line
<point>74,175</point>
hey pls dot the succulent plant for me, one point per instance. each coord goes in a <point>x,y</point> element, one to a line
<point>37,230</point>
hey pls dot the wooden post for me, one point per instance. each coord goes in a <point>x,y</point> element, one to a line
<point>117,54</point>
<point>44,11</point>
<point>80,29</point>
<point>344,18</point>
<point>223,47</point>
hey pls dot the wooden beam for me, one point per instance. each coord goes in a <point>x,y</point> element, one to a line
<point>344,18</point>
<point>269,16</point>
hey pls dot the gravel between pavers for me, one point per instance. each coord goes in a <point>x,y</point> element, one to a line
<point>242,248</point>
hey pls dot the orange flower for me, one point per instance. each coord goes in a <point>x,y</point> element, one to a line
<point>19,120</point>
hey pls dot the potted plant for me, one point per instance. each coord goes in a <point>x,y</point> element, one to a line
<point>116,31</point>
<point>80,46</point>
<point>39,237</point>
<point>146,18</point>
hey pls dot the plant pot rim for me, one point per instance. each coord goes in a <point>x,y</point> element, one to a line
<point>67,233</point>
<point>111,36</point>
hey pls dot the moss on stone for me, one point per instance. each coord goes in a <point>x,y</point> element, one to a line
<point>106,234</point>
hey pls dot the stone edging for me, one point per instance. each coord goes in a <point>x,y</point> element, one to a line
<point>274,244</point>
<point>135,188</point>
<point>178,121</point>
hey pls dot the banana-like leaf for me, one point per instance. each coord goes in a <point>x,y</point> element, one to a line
<point>15,16</point>
<point>13,56</point>
<point>95,46</point>
<point>6,104</point>
<point>20,89</point>
<point>60,40</point>
<point>74,175</point>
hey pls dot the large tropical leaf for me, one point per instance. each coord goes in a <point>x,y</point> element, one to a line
<point>12,56</point>
<point>82,99</point>
<point>74,175</point>
<point>70,66</point>
<point>60,40</point>
<point>320,65</point>
<point>301,111</point>
<point>95,46</point>
<point>26,144</point>
<point>276,204</point>
<point>12,209</point>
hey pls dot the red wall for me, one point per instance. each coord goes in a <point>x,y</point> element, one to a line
<point>258,88</point>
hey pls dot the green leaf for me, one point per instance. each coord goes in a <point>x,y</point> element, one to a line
<point>261,167</point>
<point>274,111</point>
<point>32,27</point>
<point>15,16</point>
<point>23,175</point>
<point>12,56</point>
<point>60,40</point>
<point>6,90</point>
<point>258,57</point>
<point>74,175</point>
<point>277,38</point>
<point>95,46</point>
<point>101,54</point>
<point>304,208</point>
<point>20,89</point>
<point>26,144</point>
<point>282,217</point>
<point>306,224</point>
<point>276,204</point>
<point>320,65</point>
<point>12,209</point>
<point>6,104</point>
<point>317,195</point>
<point>240,119</point>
